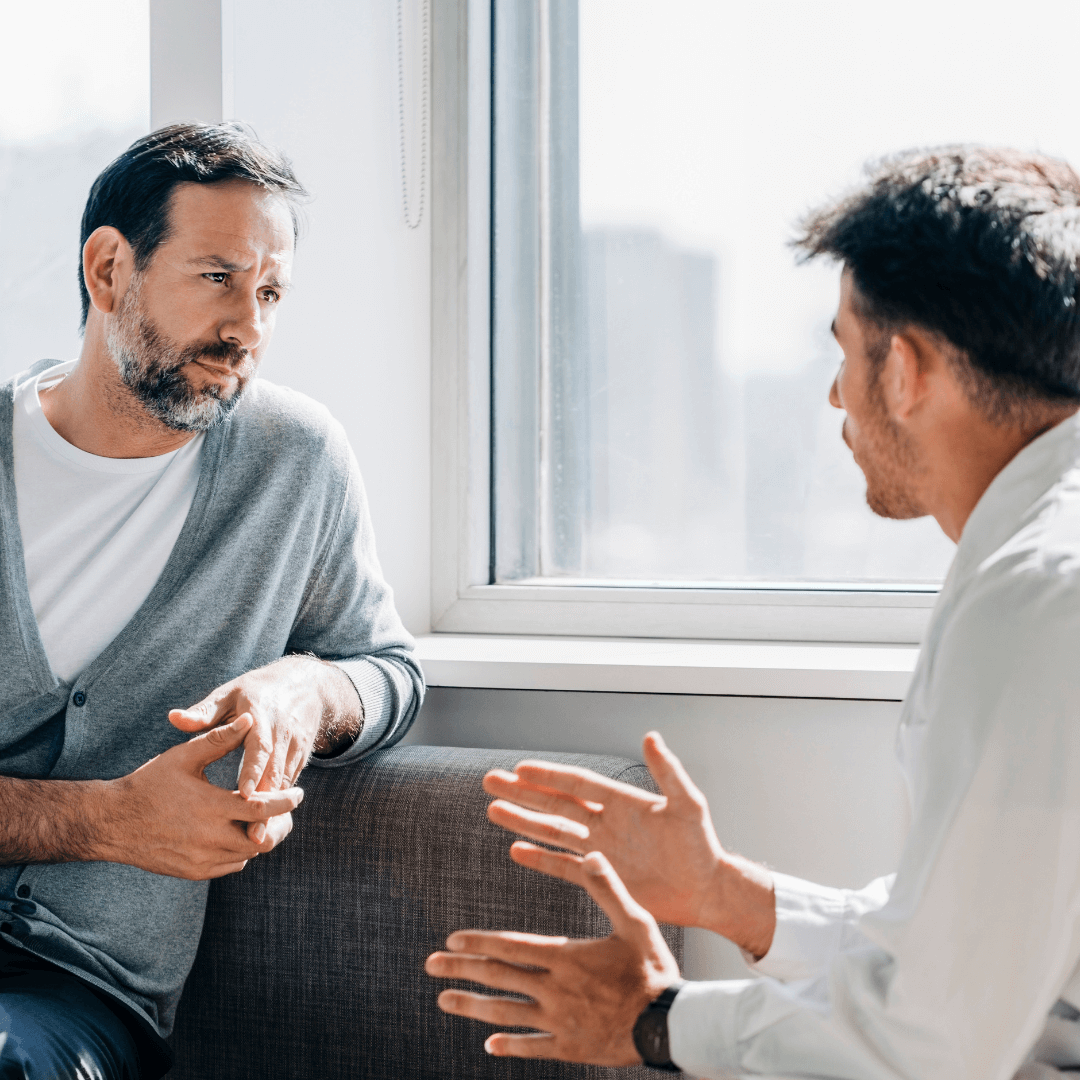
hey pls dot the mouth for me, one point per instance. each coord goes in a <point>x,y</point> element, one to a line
<point>220,370</point>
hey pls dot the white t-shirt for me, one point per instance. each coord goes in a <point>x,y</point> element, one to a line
<point>96,531</point>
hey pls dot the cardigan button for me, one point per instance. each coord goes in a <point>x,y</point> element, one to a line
<point>78,698</point>
<point>23,892</point>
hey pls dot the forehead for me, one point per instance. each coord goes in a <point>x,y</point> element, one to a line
<point>231,216</point>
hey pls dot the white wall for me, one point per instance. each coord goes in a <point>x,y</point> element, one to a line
<point>319,80</point>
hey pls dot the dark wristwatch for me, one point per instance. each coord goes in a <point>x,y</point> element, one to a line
<point>651,1031</point>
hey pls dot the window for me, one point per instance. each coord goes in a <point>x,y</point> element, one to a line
<point>659,365</point>
<point>74,93</point>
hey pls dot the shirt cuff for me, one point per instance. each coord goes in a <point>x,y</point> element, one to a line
<point>809,929</point>
<point>376,692</point>
<point>701,1027</point>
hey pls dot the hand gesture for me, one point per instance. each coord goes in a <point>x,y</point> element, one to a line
<point>286,711</point>
<point>167,818</point>
<point>586,994</point>
<point>663,847</point>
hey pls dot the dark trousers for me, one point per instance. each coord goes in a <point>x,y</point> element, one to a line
<point>54,1026</point>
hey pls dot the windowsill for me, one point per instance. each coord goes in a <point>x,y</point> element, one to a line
<point>636,666</point>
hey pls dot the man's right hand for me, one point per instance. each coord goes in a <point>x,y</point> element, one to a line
<point>663,847</point>
<point>166,817</point>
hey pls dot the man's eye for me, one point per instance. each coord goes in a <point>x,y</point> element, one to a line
<point>270,296</point>
<point>218,277</point>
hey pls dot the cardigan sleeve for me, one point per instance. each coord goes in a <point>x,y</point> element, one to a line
<point>348,618</point>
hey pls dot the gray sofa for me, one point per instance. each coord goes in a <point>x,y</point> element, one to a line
<point>311,960</point>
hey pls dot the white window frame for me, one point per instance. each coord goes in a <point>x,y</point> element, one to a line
<point>462,600</point>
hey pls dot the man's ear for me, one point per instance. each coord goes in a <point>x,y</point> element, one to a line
<point>903,376</point>
<point>108,262</point>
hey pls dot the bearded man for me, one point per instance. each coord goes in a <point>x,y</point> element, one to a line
<point>960,332</point>
<point>187,570</point>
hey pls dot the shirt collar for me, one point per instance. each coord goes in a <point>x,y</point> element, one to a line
<point>1030,474</point>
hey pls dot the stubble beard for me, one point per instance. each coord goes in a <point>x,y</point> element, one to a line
<point>151,367</point>
<point>889,462</point>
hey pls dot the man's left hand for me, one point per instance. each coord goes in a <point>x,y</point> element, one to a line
<point>298,705</point>
<point>586,994</point>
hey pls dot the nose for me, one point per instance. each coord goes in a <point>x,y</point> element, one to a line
<point>243,325</point>
<point>834,393</point>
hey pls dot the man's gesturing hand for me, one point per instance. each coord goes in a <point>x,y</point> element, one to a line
<point>297,705</point>
<point>166,817</point>
<point>586,995</point>
<point>664,847</point>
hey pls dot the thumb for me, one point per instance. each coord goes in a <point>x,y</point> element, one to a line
<point>667,770</point>
<point>628,918</point>
<point>217,742</point>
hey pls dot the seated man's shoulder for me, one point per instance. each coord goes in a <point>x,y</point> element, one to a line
<point>1022,603</point>
<point>276,419</point>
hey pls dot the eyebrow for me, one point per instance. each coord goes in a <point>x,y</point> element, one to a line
<point>229,267</point>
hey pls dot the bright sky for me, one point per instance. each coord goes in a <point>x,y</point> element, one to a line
<point>719,122</point>
<point>72,64</point>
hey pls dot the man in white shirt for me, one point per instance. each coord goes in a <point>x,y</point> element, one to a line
<point>960,331</point>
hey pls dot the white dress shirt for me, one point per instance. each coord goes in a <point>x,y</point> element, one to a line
<point>964,964</point>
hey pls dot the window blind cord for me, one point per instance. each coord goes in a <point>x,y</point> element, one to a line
<point>405,202</point>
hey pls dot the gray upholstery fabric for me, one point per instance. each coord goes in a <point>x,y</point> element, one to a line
<point>311,960</point>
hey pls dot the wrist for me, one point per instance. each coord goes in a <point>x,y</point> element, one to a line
<point>104,808</point>
<point>650,1034</point>
<point>342,711</point>
<point>742,904</point>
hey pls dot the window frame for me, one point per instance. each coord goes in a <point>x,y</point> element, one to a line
<point>463,597</point>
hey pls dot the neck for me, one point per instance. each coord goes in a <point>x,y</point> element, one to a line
<point>93,409</point>
<point>968,458</point>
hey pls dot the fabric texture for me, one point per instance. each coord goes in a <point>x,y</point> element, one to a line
<point>311,962</point>
<point>87,522</point>
<point>966,965</point>
<point>276,556</point>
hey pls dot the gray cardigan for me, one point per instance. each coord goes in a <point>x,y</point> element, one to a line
<point>276,556</point>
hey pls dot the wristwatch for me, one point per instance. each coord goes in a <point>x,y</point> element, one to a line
<point>651,1031</point>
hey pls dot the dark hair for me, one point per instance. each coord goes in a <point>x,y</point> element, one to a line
<point>132,194</point>
<point>978,246</point>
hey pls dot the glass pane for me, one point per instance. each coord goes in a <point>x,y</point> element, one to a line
<point>681,430</point>
<point>74,93</point>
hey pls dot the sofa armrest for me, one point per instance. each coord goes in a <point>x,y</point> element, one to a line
<point>311,959</point>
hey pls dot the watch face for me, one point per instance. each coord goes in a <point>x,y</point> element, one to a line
<point>651,1036</point>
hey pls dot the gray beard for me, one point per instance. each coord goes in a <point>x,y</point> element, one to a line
<point>151,367</point>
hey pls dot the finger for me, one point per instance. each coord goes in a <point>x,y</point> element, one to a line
<point>532,950</point>
<point>538,1045</point>
<point>557,864</point>
<point>547,828</point>
<point>569,779</point>
<point>258,748</point>
<point>492,1010</point>
<point>628,918</point>
<point>294,764</point>
<point>522,792</point>
<point>667,770</point>
<point>263,805</point>
<point>276,769</point>
<point>493,974</point>
<point>270,833</point>
<point>213,708</point>
<point>214,744</point>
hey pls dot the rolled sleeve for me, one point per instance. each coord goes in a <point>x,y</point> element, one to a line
<point>813,924</point>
